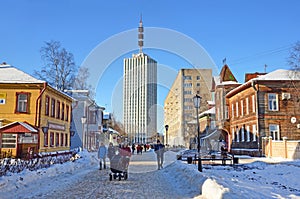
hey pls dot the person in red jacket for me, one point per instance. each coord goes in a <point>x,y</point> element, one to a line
<point>125,153</point>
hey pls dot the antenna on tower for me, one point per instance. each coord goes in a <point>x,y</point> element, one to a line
<point>141,35</point>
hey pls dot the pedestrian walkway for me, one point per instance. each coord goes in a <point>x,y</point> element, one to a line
<point>147,161</point>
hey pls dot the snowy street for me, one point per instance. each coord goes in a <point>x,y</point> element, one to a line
<point>252,178</point>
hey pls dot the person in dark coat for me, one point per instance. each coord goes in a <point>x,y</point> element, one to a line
<point>111,151</point>
<point>133,148</point>
<point>159,149</point>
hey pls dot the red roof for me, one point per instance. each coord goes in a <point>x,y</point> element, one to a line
<point>18,127</point>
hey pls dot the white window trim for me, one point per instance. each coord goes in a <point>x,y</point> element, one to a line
<point>273,133</point>
<point>237,135</point>
<point>248,133</point>
<point>254,132</point>
<point>242,107</point>
<point>253,104</point>
<point>247,106</point>
<point>243,134</point>
<point>273,101</point>
<point>237,109</point>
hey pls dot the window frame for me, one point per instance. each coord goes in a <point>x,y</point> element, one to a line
<point>52,111</point>
<point>25,104</point>
<point>274,132</point>
<point>273,102</point>
<point>47,105</point>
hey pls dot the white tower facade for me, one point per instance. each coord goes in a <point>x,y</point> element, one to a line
<point>140,95</point>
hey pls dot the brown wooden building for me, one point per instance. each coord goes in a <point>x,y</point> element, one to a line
<point>265,106</point>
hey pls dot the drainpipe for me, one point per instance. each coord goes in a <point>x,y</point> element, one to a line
<point>39,107</point>
<point>36,112</point>
<point>253,83</point>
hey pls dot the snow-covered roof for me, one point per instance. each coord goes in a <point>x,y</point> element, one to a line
<point>10,74</point>
<point>277,75</point>
<point>280,74</point>
<point>209,111</point>
<point>218,81</point>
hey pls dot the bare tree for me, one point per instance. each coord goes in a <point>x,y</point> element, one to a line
<point>294,58</point>
<point>59,66</point>
<point>80,81</point>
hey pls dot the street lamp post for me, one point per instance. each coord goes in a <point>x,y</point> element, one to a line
<point>167,128</point>
<point>197,100</point>
<point>83,121</point>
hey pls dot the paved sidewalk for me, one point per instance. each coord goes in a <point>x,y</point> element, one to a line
<point>147,161</point>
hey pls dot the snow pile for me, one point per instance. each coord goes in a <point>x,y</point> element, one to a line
<point>254,178</point>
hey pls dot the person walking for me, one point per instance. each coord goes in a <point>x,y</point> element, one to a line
<point>111,151</point>
<point>102,153</point>
<point>133,148</point>
<point>159,149</point>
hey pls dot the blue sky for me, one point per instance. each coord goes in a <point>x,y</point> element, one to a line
<point>249,34</point>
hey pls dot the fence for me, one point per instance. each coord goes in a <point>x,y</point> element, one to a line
<point>289,149</point>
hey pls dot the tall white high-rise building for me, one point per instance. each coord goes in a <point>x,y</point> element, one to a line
<point>140,95</point>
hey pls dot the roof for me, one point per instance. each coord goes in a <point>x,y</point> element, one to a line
<point>277,75</point>
<point>10,74</point>
<point>226,75</point>
<point>280,74</point>
<point>18,127</point>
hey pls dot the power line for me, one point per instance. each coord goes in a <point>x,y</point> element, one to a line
<point>261,54</point>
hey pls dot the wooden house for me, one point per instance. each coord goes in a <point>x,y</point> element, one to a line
<point>34,117</point>
<point>265,106</point>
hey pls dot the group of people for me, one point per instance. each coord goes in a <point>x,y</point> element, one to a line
<point>124,150</point>
<point>139,148</point>
<point>103,152</point>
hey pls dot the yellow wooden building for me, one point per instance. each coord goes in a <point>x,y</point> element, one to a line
<point>34,117</point>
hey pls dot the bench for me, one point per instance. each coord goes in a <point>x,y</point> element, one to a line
<point>223,160</point>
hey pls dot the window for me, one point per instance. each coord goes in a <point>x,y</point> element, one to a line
<point>46,139</point>
<point>243,134</point>
<point>92,117</point>
<point>9,140</point>
<point>58,109</point>
<point>51,139</point>
<point>187,92</point>
<point>67,113</point>
<point>273,102</point>
<point>22,102</point>
<point>254,132</point>
<point>237,134</point>
<point>52,107</point>
<point>198,77</point>
<point>232,110</point>
<point>198,84</point>
<point>62,139</point>
<point>62,111</point>
<point>253,104</point>
<point>66,139</point>
<point>237,109</point>
<point>187,85</point>
<point>233,134</point>
<point>187,77</point>
<point>248,133</point>
<point>274,131</point>
<point>247,106</point>
<point>57,139</point>
<point>226,112</point>
<point>242,107</point>
<point>47,100</point>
